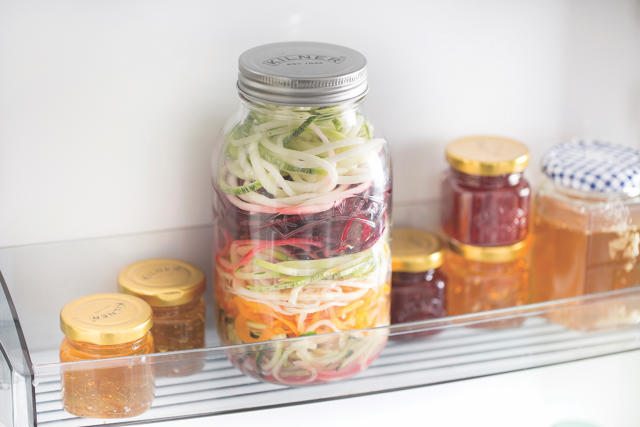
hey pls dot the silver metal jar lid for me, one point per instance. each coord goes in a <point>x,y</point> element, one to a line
<point>302,74</point>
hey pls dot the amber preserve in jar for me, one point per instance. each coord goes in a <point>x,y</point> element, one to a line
<point>486,278</point>
<point>301,198</point>
<point>173,289</point>
<point>587,222</point>
<point>418,283</point>
<point>106,326</point>
<point>485,198</point>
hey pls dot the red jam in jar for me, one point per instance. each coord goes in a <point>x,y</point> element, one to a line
<point>485,198</point>
<point>417,282</point>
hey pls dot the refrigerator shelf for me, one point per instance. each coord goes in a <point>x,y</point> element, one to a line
<point>37,280</point>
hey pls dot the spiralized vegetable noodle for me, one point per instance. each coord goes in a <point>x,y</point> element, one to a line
<point>301,203</point>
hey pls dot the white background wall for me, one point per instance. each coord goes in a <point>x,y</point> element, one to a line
<point>109,109</point>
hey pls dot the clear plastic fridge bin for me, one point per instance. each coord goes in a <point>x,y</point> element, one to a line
<point>37,280</point>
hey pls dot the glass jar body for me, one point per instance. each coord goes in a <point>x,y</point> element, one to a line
<point>584,243</point>
<point>180,327</point>
<point>417,295</point>
<point>121,389</point>
<point>325,195</point>
<point>476,286</point>
<point>302,202</point>
<point>485,210</point>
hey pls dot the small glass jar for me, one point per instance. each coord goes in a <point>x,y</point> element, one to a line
<point>174,291</point>
<point>485,198</point>
<point>587,224</point>
<point>106,326</point>
<point>417,282</point>
<point>486,278</point>
<point>302,202</point>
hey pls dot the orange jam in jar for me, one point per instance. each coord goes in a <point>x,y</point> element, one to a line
<point>587,230</point>
<point>174,291</point>
<point>486,278</point>
<point>584,245</point>
<point>106,326</point>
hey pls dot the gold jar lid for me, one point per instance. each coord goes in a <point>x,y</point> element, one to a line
<point>489,254</point>
<point>414,250</point>
<point>106,319</point>
<point>487,155</point>
<point>163,282</point>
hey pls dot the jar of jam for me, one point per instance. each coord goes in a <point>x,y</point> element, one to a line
<point>417,282</point>
<point>486,278</point>
<point>485,198</point>
<point>587,224</point>
<point>106,326</point>
<point>174,291</point>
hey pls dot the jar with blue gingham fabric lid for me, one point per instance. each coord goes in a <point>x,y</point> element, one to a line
<point>587,222</point>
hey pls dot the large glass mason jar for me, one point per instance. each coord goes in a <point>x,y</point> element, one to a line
<point>302,203</point>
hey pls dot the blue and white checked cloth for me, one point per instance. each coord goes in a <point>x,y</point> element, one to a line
<point>594,166</point>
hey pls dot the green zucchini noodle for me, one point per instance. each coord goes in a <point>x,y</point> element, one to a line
<point>267,167</point>
<point>303,287</point>
<point>320,358</point>
<point>302,201</point>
